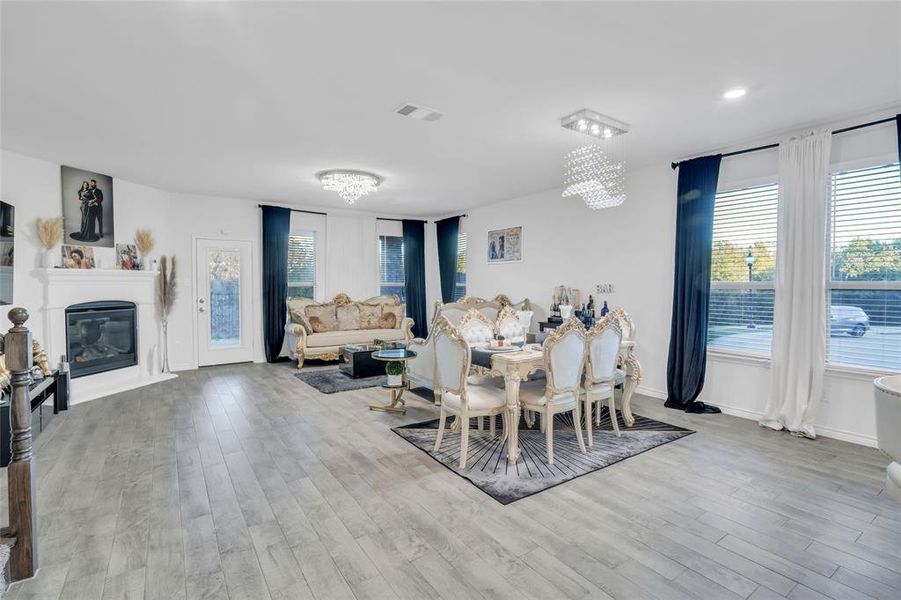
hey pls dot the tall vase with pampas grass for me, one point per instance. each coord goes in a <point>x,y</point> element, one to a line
<point>145,243</point>
<point>50,233</point>
<point>166,293</point>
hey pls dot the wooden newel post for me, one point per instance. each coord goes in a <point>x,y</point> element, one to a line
<point>23,525</point>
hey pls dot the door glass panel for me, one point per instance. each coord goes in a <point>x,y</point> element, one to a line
<point>225,297</point>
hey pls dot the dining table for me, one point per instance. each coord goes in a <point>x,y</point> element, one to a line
<point>517,364</point>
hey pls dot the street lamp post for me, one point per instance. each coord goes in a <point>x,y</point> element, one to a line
<point>749,260</point>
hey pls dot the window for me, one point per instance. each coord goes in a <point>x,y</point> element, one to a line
<point>743,269</point>
<point>865,284</point>
<point>302,264</point>
<point>460,276</point>
<point>391,266</point>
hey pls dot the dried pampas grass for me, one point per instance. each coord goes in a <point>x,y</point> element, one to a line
<point>166,294</point>
<point>167,291</point>
<point>144,241</point>
<point>50,231</point>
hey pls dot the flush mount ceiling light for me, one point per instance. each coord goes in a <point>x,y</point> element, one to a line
<point>735,93</point>
<point>596,172</point>
<point>350,185</point>
<point>594,124</point>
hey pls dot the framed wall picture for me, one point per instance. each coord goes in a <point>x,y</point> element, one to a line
<point>87,207</point>
<point>7,251</point>
<point>77,257</point>
<point>505,245</point>
<point>127,257</point>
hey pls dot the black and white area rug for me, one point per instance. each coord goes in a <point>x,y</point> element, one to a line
<point>331,381</point>
<point>487,458</point>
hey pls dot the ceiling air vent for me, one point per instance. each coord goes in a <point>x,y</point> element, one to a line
<point>420,113</point>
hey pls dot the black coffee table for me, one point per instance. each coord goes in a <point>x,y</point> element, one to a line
<point>358,361</point>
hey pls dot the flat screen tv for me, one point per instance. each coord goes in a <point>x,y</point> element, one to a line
<point>7,248</point>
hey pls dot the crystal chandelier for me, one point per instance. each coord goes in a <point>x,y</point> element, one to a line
<point>596,172</point>
<point>350,185</point>
<point>593,176</point>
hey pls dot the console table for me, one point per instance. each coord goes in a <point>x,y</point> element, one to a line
<point>56,385</point>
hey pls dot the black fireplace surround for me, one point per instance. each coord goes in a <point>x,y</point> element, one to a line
<point>101,336</point>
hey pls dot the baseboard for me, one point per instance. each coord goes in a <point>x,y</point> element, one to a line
<point>651,392</point>
<point>829,432</point>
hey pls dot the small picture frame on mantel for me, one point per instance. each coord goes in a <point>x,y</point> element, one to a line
<point>505,245</point>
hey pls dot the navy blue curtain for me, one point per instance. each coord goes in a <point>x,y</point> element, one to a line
<point>447,231</point>
<point>691,286</point>
<point>414,274</point>
<point>276,229</point>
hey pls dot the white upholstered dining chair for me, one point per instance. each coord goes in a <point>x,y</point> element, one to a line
<point>510,326</point>
<point>564,363</point>
<point>600,370</point>
<point>458,397</point>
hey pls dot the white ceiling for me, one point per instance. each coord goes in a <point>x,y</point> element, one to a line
<point>252,99</point>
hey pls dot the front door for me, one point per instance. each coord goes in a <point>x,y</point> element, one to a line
<point>224,303</point>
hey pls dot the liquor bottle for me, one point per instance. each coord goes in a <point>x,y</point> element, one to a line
<point>604,309</point>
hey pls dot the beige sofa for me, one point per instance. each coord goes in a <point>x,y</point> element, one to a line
<point>319,329</point>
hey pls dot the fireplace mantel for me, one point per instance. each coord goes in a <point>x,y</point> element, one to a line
<point>65,287</point>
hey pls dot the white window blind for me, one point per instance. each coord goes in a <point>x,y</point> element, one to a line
<point>743,269</point>
<point>865,284</point>
<point>391,266</point>
<point>302,264</point>
<point>460,277</point>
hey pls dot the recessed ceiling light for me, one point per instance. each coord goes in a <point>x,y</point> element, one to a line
<point>736,93</point>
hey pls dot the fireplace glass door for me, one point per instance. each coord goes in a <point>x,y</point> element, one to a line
<point>100,336</point>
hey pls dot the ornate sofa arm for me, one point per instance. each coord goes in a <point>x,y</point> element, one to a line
<point>296,330</point>
<point>407,326</point>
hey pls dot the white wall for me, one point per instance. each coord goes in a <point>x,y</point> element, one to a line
<point>565,243</point>
<point>33,187</point>
<point>347,243</point>
<point>631,246</point>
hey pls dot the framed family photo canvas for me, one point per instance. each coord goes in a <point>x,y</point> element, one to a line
<point>77,257</point>
<point>505,245</point>
<point>87,208</point>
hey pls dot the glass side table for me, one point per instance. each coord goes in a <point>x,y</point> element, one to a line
<point>394,356</point>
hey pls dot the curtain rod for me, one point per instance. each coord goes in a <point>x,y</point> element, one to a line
<point>309,212</point>
<point>313,212</point>
<point>770,146</point>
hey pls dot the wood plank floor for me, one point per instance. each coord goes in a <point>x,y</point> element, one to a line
<point>242,482</point>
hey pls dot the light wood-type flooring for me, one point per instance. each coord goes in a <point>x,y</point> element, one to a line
<point>241,482</point>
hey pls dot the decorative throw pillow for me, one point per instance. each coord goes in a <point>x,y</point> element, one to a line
<point>392,316</point>
<point>322,317</point>
<point>348,317</point>
<point>387,321</point>
<point>301,319</point>
<point>369,315</point>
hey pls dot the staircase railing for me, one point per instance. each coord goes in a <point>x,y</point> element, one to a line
<point>23,526</point>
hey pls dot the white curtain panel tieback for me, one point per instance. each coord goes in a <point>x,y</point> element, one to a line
<point>799,324</point>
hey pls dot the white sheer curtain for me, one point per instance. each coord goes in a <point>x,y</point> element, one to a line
<point>799,326</point>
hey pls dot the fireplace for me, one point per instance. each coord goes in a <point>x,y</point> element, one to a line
<point>100,336</point>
